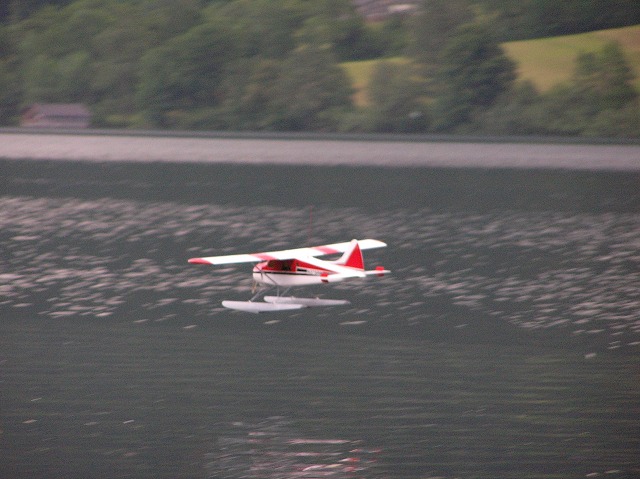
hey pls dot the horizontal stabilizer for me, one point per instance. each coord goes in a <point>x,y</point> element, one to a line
<point>380,271</point>
<point>307,302</point>
<point>259,307</point>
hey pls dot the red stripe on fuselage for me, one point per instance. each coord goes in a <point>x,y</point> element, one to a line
<point>302,264</point>
<point>290,267</point>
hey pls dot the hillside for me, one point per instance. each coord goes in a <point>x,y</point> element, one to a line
<point>280,65</point>
<point>549,61</point>
<point>359,72</point>
<point>545,62</point>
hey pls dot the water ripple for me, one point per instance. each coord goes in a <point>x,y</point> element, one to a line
<point>578,273</point>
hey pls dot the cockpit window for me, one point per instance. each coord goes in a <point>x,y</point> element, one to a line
<point>279,265</point>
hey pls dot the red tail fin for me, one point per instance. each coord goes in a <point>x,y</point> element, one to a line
<point>352,257</point>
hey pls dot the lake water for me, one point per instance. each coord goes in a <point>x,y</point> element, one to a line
<point>506,343</point>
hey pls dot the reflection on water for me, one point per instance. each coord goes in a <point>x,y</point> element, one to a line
<point>272,449</point>
<point>504,344</point>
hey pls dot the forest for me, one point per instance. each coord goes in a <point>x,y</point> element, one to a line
<point>280,65</point>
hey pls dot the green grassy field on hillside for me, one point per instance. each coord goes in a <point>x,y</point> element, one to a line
<point>549,61</point>
<point>360,73</point>
<point>545,62</point>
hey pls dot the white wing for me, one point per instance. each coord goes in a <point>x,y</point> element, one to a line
<point>287,253</point>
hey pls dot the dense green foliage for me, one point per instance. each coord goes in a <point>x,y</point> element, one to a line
<point>473,72</point>
<point>520,19</point>
<point>275,65</point>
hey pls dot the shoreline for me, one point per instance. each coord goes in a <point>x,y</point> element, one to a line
<point>318,150</point>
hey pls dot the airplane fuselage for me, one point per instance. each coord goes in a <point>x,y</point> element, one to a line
<point>288,273</point>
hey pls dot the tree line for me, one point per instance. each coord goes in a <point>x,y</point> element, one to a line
<point>276,65</point>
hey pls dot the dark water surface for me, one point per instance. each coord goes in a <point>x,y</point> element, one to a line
<point>506,343</point>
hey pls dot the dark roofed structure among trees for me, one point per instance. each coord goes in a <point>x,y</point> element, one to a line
<point>56,115</point>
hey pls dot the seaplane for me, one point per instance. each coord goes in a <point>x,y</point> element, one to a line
<point>298,267</point>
